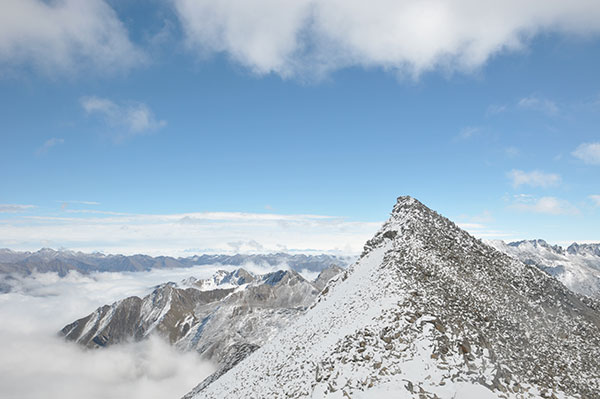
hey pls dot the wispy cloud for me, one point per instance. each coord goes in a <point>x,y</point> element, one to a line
<point>539,104</point>
<point>547,205</point>
<point>512,152</point>
<point>468,132</point>
<point>595,199</point>
<point>223,232</point>
<point>65,37</point>
<point>80,202</point>
<point>15,208</point>
<point>48,144</point>
<point>495,109</point>
<point>404,37</point>
<point>130,119</point>
<point>534,178</point>
<point>588,153</point>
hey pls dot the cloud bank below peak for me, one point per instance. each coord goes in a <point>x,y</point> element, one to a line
<point>406,37</point>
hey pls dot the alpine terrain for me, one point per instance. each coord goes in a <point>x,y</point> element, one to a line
<point>428,311</point>
<point>224,318</point>
<point>577,266</point>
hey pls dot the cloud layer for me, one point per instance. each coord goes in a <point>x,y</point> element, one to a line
<point>407,37</point>
<point>64,36</point>
<point>186,234</point>
<point>42,304</point>
<point>15,208</point>
<point>36,363</point>
<point>300,38</point>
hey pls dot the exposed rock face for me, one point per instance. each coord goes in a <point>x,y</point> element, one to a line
<point>428,311</point>
<point>224,318</point>
<point>168,310</point>
<point>327,275</point>
<point>577,267</point>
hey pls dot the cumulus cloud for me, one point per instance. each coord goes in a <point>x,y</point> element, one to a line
<point>539,104</point>
<point>406,37</point>
<point>534,178</point>
<point>126,119</point>
<point>175,234</point>
<point>547,205</point>
<point>64,36</point>
<point>15,208</point>
<point>588,153</point>
<point>42,304</point>
<point>48,144</point>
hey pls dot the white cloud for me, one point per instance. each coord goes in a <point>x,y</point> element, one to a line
<point>595,199</point>
<point>547,205</point>
<point>127,119</point>
<point>15,208</point>
<point>588,153</point>
<point>539,104</point>
<point>48,144</point>
<point>406,37</point>
<point>181,234</point>
<point>64,36</point>
<point>534,178</point>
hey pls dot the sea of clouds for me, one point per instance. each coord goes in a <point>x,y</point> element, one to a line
<point>35,362</point>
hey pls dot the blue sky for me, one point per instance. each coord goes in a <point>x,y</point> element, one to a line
<point>185,126</point>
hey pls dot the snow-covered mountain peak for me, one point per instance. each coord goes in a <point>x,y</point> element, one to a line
<point>584,249</point>
<point>536,245</point>
<point>429,311</point>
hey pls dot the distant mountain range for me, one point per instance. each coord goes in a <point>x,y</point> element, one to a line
<point>49,260</point>
<point>577,266</point>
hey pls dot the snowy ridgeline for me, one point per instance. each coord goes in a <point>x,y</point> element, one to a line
<point>428,311</point>
<point>223,318</point>
<point>577,266</point>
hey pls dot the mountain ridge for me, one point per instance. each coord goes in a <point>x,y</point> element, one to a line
<point>223,318</point>
<point>429,311</point>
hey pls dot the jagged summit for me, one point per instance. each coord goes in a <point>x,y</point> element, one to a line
<point>429,311</point>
